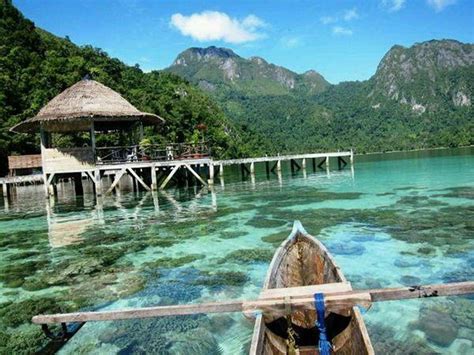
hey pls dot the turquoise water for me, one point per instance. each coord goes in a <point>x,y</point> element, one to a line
<point>397,219</point>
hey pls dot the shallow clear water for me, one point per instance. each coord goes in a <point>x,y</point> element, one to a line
<point>397,219</point>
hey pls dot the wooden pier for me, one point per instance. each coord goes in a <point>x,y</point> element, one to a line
<point>89,108</point>
<point>153,175</point>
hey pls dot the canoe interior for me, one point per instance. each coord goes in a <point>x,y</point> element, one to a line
<point>301,260</point>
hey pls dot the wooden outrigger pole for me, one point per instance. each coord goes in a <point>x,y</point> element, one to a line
<point>301,298</point>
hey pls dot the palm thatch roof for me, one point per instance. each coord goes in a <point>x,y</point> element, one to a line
<point>82,103</point>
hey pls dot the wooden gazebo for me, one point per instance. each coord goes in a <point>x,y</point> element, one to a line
<point>87,106</point>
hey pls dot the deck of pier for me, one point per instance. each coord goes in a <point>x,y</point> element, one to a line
<point>153,175</point>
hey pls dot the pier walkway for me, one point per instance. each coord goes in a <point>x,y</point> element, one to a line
<point>152,175</point>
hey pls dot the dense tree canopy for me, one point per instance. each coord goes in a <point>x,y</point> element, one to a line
<point>36,66</point>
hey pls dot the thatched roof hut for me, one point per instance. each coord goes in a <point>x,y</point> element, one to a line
<point>84,102</point>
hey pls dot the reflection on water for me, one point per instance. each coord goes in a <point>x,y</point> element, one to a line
<point>390,222</point>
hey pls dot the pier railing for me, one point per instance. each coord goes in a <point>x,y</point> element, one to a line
<point>151,152</point>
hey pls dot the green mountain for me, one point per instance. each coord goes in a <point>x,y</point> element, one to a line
<point>427,76</point>
<point>221,71</point>
<point>419,97</point>
<point>36,65</point>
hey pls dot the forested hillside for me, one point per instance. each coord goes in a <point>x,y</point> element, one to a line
<point>36,65</point>
<point>420,97</point>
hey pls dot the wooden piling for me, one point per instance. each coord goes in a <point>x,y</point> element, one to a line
<point>5,190</point>
<point>154,182</point>
<point>97,182</point>
<point>78,188</point>
<point>211,174</point>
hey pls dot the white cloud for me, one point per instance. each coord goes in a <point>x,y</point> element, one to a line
<point>393,5</point>
<point>351,14</point>
<point>290,41</point>
<point>214,26</point>
<point>439,5</point>
<point>341,31</point>
<point>326,20</point>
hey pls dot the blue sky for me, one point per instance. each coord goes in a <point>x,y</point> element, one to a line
<point>343,40</point>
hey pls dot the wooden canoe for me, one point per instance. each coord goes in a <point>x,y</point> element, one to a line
<point>301,262</point>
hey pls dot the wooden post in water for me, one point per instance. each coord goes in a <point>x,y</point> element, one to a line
<point>252,168</point>
<point>221,169</point>
<point>303,163</point>
<point>5,194</point>
<point>154,182</point>
<point>279,165</point>
<point>211,174</point>
<point>78,188</point>
<point>97,182</point>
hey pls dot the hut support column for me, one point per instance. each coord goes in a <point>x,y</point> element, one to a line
<point>211,174</point>
<point>79,189</point>
<point>352,157</point>
<point>221,170</point>
<point>252,168</point>
<point>98,182</point>
<point>327,162</point>
<point>43,139</point>
<point>303,164</point>
<point>279,165</point>
<point>154,182</point>
<point>46,185</point>
<point>5,193</point>
<point>49,181</point>
<point>93,139</point>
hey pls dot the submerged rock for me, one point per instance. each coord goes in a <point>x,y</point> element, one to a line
<point>231,234</point>
<point>169,262</point>
<point>276,239</point>
<point>248,256</point>
<point>438,326</point>
<point>219,279</point>
<point>14,314</point>
<point>458,192</point>
<point>346,249</point>
<point>162,335</point>
<point>263,222</point>
<point>407,262</point>
<point>385,341</point>
<point>409,280</point>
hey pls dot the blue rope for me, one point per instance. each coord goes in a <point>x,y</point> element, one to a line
<point>325,346</point>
